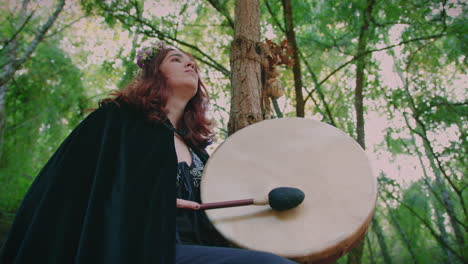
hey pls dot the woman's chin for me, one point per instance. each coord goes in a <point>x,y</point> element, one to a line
<point>190,90</point>
<point>188,87</point>
<point>193,87</point>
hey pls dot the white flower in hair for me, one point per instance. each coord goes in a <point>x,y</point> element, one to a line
<point>146,54</point>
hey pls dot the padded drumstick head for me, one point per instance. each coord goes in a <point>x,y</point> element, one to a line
<point>285,198</point>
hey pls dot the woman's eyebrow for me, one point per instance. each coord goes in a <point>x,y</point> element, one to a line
<point>180,55</point>
<point>176,54</point>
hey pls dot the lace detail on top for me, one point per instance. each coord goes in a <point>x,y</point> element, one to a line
<point>189,223</point>
<point>195,170</point>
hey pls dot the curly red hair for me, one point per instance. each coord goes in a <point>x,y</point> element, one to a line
<point>148,94</point>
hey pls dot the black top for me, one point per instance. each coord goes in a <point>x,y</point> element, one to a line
<point>189,223</point>
<point>193,226</point>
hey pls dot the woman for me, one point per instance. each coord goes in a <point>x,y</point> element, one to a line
<point>107,194</point>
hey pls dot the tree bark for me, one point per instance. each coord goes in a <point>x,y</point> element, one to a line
<point>355,254</point>
<point>401,232</point>
<point>443,233</point>
<point>291,36</point>
<point>278,112</point>
<point>360,78</point>
<point>381,239</point>
<point>327,114</point>
<point>427,224</point>
<point>439,185</point>
<point>222,9</point>
<point>446,201</point>
<point>443,238</point>
<point>371,251</point>
<point>246,100</point>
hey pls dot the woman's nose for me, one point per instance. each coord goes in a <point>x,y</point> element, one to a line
<point>190,64</point>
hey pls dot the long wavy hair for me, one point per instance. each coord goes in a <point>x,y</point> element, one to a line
<point>148,93</point>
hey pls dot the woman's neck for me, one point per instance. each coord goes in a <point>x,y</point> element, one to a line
<point>175,110</point>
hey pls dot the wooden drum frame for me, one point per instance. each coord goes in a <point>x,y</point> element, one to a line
<point>326,164</point>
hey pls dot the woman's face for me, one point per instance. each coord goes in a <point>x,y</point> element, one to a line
<point>180,74</point>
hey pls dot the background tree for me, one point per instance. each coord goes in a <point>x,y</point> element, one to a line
<point>44,100</point>
<point>291,37</point>
<point>246,86</point>
<point>15,55</point>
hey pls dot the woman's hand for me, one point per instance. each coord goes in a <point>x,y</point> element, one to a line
<point>187,204</point>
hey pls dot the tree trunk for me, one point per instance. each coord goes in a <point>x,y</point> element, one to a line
<point>446,199</point>
<point>381,239</point>
<point>291,36</point>
<point>446,202</point>
<point>278,112</point>
<point>401,232</point>
<point>360,78</point>
<point>443,238</point>
<point>371,251</point>
<point>246,106</point>
<point>355,254</point>
<point>443,233</point>
<point>439,185</point>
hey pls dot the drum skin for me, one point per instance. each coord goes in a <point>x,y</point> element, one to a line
<point>326,164</point>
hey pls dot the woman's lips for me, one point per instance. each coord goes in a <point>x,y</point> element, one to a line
<point>191,71</point>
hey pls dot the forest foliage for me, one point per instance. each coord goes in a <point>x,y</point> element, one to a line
<point>408,58</point>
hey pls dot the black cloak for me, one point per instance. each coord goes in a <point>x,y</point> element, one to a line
<point>106,196</point>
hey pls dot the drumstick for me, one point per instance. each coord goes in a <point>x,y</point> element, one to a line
<point>279,199</point>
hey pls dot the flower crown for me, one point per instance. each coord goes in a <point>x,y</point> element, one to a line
<point>146,54</point>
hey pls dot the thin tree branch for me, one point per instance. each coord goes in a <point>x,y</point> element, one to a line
<point>438,167</point>
<point>279,114</point>
<point>223,11</point>
<point>13,37</point>
<point>309,69</point>
<point>423,133</point>
<point>41,33</point>
<point>64,27</point>
<point>375,50</point>
<point>425,177</point>
<point>203,25</point>
<point>432,231</point>
<point>9,72</point>
<point>400,230</point>
<point>274,17</point>
<point>371,252</point>
<point>163,36</point>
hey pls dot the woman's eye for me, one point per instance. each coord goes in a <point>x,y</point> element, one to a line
<point>176,59</point>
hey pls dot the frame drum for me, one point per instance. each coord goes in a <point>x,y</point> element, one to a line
<point>326,164</point>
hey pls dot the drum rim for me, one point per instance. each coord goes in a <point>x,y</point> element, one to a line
<point>341,247</point>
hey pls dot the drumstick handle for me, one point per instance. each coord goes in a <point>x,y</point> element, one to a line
<point>206,206</point>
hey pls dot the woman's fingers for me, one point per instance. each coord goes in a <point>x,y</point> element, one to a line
<point>187,204</point>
